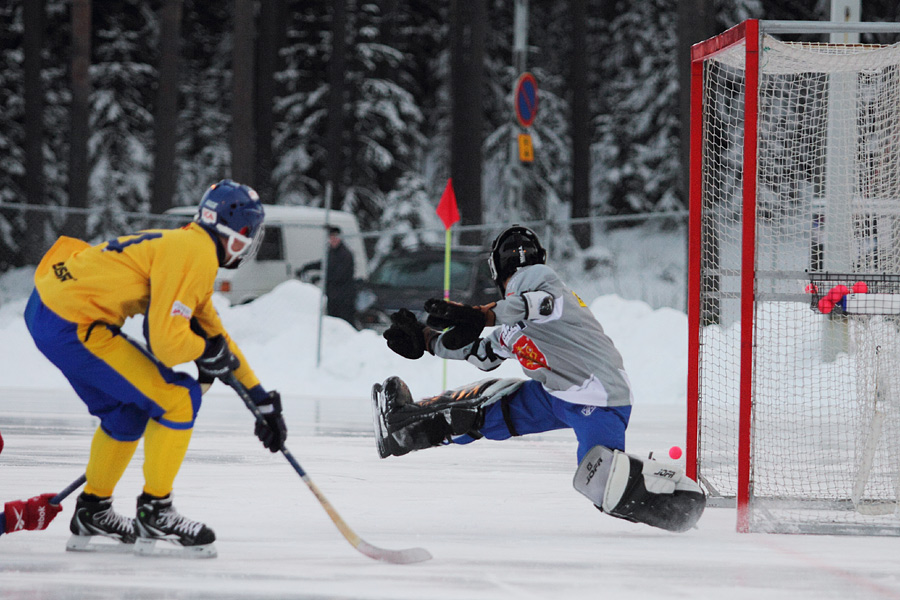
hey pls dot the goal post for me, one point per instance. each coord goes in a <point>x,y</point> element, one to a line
<point>795,177</point>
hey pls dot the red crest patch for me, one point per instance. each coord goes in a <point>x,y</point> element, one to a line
<point>529,355</point>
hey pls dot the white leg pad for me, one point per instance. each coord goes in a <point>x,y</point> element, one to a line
<point>598,480</point>
<point>631,488</point>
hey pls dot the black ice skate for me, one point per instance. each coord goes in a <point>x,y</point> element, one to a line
<point>95,517</point>
<point>157,520</point>
<point>402,426</point>
<point>386,399</point>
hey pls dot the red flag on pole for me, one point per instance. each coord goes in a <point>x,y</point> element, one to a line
<point>446,209</point>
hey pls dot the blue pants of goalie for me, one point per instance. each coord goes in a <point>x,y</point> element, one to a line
<point>531,409</point>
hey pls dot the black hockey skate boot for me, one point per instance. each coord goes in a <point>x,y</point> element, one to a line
<point>157,519</point>
<point>94,516</point>
<point>386,399</point>
<point>402,425</point>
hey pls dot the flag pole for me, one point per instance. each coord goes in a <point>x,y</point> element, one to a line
<point>449,214</point>
<point>447,242</point>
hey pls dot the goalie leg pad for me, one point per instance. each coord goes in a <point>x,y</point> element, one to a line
<point>649,492</point>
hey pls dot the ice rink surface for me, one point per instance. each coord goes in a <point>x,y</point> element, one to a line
<point>501,519</point>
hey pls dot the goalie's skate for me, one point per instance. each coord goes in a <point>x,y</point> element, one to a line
<point>385,399</point>
<point>157,520</point>
<point>96,527</point>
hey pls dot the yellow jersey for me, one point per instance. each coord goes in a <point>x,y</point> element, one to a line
<point>167,275</point>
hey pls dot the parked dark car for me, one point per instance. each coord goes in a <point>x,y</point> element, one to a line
<point>406,279</point>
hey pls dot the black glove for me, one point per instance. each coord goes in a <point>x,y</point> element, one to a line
<point>274,432</point>
<point>202,376</point>
<point>465,322</point>
<point>405,336</point>
<point>217,359</point>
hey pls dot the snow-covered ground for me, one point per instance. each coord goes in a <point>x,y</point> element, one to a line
<point>501,519</point>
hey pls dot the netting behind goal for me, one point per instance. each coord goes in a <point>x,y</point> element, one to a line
<point>795,176</point>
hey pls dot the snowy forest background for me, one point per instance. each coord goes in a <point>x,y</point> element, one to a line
<point>397,121</point>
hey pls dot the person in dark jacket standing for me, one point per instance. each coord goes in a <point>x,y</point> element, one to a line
<point>340,287</point>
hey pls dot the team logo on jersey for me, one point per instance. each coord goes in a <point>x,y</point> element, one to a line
<point>587,410</point>
<point>62,272</point>
<point>181,310</point>
<point>529,355</point>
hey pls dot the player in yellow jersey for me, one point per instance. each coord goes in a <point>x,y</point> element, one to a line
<point>82,296</point>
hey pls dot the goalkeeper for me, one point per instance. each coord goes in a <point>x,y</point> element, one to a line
<point>577,380</point>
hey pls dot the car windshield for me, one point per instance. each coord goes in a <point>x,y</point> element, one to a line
<point>420,272</point>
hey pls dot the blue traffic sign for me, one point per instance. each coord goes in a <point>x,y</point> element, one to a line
<point>526,99</point>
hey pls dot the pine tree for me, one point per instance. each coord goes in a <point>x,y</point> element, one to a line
<point>383,137</point>
<point>635,159</point>
<point>121,124</point>
<point>12,165</point>
<point>203,154</point>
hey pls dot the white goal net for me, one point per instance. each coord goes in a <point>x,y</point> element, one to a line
<point>796,191</point>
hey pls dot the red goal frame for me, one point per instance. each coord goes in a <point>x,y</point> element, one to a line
<point>749,33</point>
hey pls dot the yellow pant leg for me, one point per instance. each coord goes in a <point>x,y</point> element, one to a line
<point>108,460</point>
<point>164,451</point>
<point>161,393</point>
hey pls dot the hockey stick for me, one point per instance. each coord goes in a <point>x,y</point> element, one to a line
<point>55,500</point>
<point>402,557</point>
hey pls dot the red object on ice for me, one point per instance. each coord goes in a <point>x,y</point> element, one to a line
<point>860,287</point>
<point>674,452</point>
<point>811,288</point>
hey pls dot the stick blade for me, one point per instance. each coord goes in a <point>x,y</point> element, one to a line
<point>397,557</point>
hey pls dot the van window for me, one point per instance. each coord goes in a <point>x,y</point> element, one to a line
<point>271,247</point>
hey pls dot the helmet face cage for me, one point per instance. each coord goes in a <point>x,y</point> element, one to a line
<point>241,247</point>
<point>234,211</point>
<point>515,247</point>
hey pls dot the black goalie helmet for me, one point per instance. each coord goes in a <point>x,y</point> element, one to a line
<point>515,247</point>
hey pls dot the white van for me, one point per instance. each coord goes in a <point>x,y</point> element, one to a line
<point>295,236</point>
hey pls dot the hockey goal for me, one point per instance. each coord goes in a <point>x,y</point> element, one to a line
<point>794,411</point>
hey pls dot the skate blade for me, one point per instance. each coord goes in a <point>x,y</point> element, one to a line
<point>378,403</point>
<point>83,543</point>
<point>148,547</point>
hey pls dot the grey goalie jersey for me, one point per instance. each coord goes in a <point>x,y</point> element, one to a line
<point>555,338</point>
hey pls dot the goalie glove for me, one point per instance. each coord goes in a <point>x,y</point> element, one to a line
<point>32,514</point>
<point>405,336</point>
<point>465,323</point>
